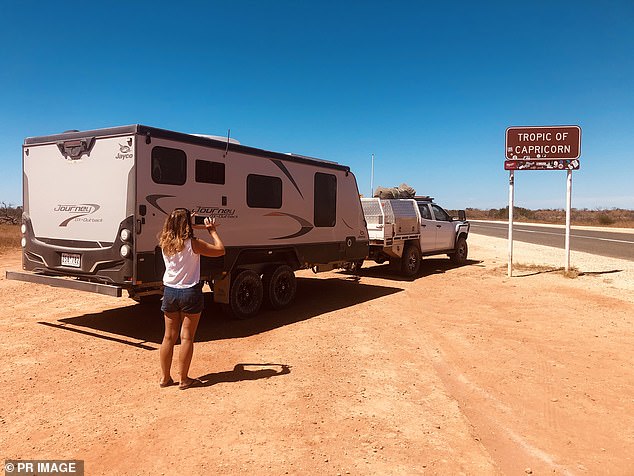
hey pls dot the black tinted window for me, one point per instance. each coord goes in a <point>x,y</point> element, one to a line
<point>325,199</point>
<point>264,191</point>
<point>210,172</point>
<point>169,166</point>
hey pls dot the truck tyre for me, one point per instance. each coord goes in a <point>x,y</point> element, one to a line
<point>279,286</point>
<point>459,256</point>
<point>245,295</point>
<point>410,261</point>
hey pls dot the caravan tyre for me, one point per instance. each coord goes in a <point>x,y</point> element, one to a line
<point>245,296</point>
<point>280,286</point>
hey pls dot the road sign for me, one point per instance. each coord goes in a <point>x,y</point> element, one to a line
<point>544,143</point>
<point>542,148</point>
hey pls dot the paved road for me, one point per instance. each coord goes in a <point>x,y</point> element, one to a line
<point>598,242</point>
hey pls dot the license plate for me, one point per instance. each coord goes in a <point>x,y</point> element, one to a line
<point>71,259</point>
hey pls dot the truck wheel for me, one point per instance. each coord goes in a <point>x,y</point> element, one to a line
<point>459,256</point>
<point>245,296</point>
<point>410,261</point>
<point>280,286</point>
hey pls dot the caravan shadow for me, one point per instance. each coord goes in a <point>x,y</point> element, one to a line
<point>143,324</point>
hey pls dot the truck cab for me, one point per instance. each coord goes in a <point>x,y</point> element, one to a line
<point>437,227</point>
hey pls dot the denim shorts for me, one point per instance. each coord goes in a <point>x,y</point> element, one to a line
<point>189,300</point>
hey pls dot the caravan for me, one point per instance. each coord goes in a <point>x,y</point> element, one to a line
<point>95,201</point>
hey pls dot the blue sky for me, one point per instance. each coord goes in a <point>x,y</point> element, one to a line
<point>428,87</point>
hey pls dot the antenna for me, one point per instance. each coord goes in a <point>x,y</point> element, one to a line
<point>227,148</point>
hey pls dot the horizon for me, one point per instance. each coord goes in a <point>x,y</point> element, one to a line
<point>429,90</point>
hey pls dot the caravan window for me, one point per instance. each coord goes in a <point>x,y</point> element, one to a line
<point>325,199</point>
<point>210,172</point>
<point>169,166</point>
<point>264,191</point>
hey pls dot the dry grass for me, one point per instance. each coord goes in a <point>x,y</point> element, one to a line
<point>9,237</point>
<point>533,269</point>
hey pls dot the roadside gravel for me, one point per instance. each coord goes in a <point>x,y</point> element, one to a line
<point>611,274</point>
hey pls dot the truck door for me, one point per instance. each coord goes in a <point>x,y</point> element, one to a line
<point>445,232</point>
<point>427,229</point>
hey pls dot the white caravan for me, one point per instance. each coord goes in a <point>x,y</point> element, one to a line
<point>95,202</point>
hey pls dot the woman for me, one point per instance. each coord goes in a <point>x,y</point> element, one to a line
<point>182,294</point>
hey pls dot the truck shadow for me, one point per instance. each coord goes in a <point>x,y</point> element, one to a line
<point>428,267</point>
<point>142,325</point>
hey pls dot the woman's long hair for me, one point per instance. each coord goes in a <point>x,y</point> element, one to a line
<point>176,230</point>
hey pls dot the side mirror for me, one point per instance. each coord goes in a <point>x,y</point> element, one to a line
<point>462,215</point>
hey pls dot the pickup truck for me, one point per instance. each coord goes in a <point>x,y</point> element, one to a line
<point>404,230</point>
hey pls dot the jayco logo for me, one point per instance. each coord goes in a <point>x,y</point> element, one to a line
<point>125,152</point>
<point>78,211</point>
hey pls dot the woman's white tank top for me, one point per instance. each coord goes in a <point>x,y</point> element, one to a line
<point>182,270</point>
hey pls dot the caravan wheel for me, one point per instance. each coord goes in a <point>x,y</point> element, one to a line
<point>245,296</point>
<point>280,286</point>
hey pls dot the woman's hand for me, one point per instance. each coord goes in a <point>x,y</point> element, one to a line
<point>210,224</point>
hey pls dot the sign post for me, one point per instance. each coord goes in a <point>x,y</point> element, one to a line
<point>511,201</point>
<point>568,207</point>
<point>542,148</point>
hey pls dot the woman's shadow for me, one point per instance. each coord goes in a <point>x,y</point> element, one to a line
<point>240,373</point>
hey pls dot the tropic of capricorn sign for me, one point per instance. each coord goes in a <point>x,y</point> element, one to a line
<point>543,148</point>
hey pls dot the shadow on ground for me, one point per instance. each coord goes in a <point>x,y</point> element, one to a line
<point>241,373</point>
<point>144,323</point>
<point>526,271</point>
<point>428,267</point>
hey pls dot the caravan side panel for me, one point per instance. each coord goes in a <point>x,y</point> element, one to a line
<point>261,203</point>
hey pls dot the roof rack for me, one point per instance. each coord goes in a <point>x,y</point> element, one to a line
<point>423,197</point>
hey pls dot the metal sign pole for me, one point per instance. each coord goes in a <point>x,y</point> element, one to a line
<point>372,178</point>
<point>511,197</point>
<point>568,208</point>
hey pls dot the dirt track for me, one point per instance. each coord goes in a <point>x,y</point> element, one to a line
<point>461,371</point>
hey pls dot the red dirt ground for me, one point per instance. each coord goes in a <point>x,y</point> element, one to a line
<point>460,371</point>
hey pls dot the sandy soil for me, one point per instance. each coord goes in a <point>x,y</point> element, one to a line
<point>460,371</point>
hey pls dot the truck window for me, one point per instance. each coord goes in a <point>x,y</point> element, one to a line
<point>424,211</point>
<point>440,214</point>
<point>264,191</point>
<point>169,166</point>
<point>325,200</point>
<point>210,172</point>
